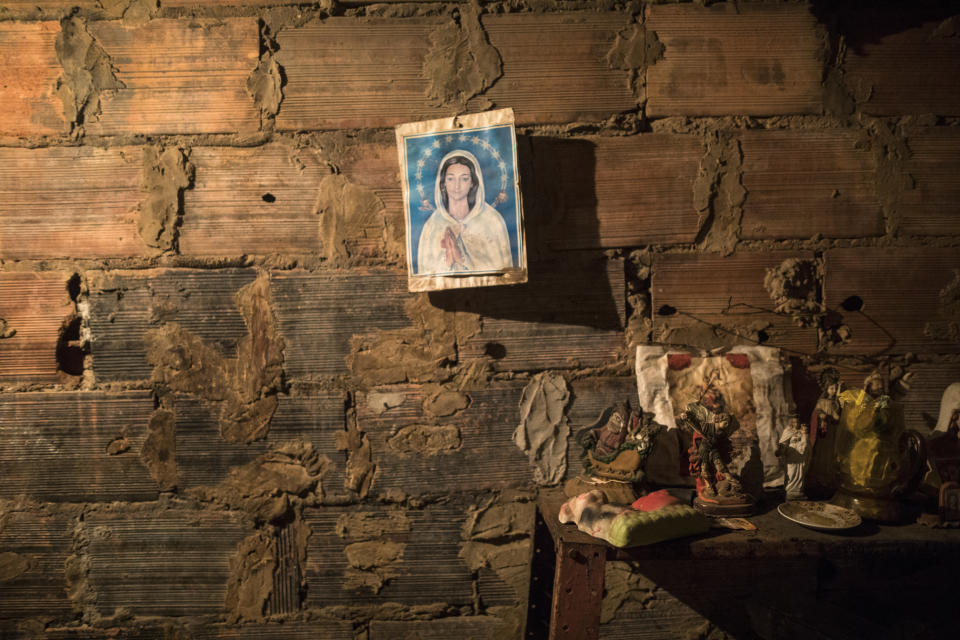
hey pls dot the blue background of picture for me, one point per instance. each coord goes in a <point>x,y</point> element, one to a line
<point>500,138</point>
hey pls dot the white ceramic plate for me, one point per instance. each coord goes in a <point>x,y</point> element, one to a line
<point>821,516</point>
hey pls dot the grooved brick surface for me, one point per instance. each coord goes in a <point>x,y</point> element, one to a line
<point>179,76</point>
<point>344,73</point>
<point>124,305</point>
<point>904,309</point>
<point>375,167</point>
<point>800,184</point>
<point>30,70</point>
<point>570,314</point>
<point>185,573</point>
<point>604,192</point>
<point>932,207</point>
<point>726,59</point>
<point>53,447</point>
<point>464,628</point>
<point>484,459</point>
<point>256,200</point>
<point>555,68</point>
<point>710,291</point>
<point>78,202</point>
<point>286,630</point>
<point>35,307</point>
<point>429,570</point>
<point>41,544</point>
<point>905,62</point>
<point>205,459</point>
<point>319,312</point>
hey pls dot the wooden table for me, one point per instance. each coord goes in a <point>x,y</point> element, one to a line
<point>569,567</point>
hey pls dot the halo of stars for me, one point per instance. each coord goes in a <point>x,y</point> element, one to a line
<point>476,141</point>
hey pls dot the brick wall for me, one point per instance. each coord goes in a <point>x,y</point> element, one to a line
<point>222,414</point>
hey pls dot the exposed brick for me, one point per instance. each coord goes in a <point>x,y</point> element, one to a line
<point>899,63</point>
<point>933,206</point>
<point>605,192</point>
<point>124,305</point>
<point>185,573</point>
<point>285,630</point>
<point>726,59</point>
<point>77,202</point>
<point>35,306</point>
<point>555,68</point>
<point>608,207</point>
<point>467,628</point>
<point>54,446</point>
<point>375,167</point>
<point>486,457</point>
<point>724,291</point>
<point>220,3</point>
<point>17,8</point>
<point>570,314</point>
<point>42,544</point>
<point>344,73</point>
<point>205,459</point>
<point>900,289</point>
<point>184,76</point>
<point>800,184</point>
<point>252,201</point>
<point>30,70</point>
<point>429,571</point>
<point>318,313</point>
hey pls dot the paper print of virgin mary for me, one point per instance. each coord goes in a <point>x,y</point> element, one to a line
<point>463,233</point>
<point>462,202</point>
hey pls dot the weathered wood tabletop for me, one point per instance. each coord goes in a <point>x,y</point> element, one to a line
<point>781,547</point>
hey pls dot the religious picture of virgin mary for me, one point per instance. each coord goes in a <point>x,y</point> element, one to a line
<point>464,233</point>
<point>462,200</point>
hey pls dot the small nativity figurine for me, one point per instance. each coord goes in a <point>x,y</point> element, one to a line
<point>793,449</point>
<point>822,474</point>
<point>719,491</point>
<point>615,450</point>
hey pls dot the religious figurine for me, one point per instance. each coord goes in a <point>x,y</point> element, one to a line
<point>719,492</point>
<point>793,449</point>
<point>615,449</point>
<point>878,459</point>
<point>943,445</point>
<point>822,473</point>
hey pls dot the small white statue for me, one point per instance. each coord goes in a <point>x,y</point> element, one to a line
<point>793,449</point>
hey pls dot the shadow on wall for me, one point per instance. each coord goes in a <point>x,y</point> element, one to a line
<point>865,22</point>
<point>568,287</point>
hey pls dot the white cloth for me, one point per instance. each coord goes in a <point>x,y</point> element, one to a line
<point>482,235</point>
<point>949,403</point>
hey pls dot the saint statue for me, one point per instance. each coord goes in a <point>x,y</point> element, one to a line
<point>793,449</point>
<point>822,474</point>
<point>719,491</point>
<point>615,450</point>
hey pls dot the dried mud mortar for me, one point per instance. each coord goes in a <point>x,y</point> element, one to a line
<point>244,388</point>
